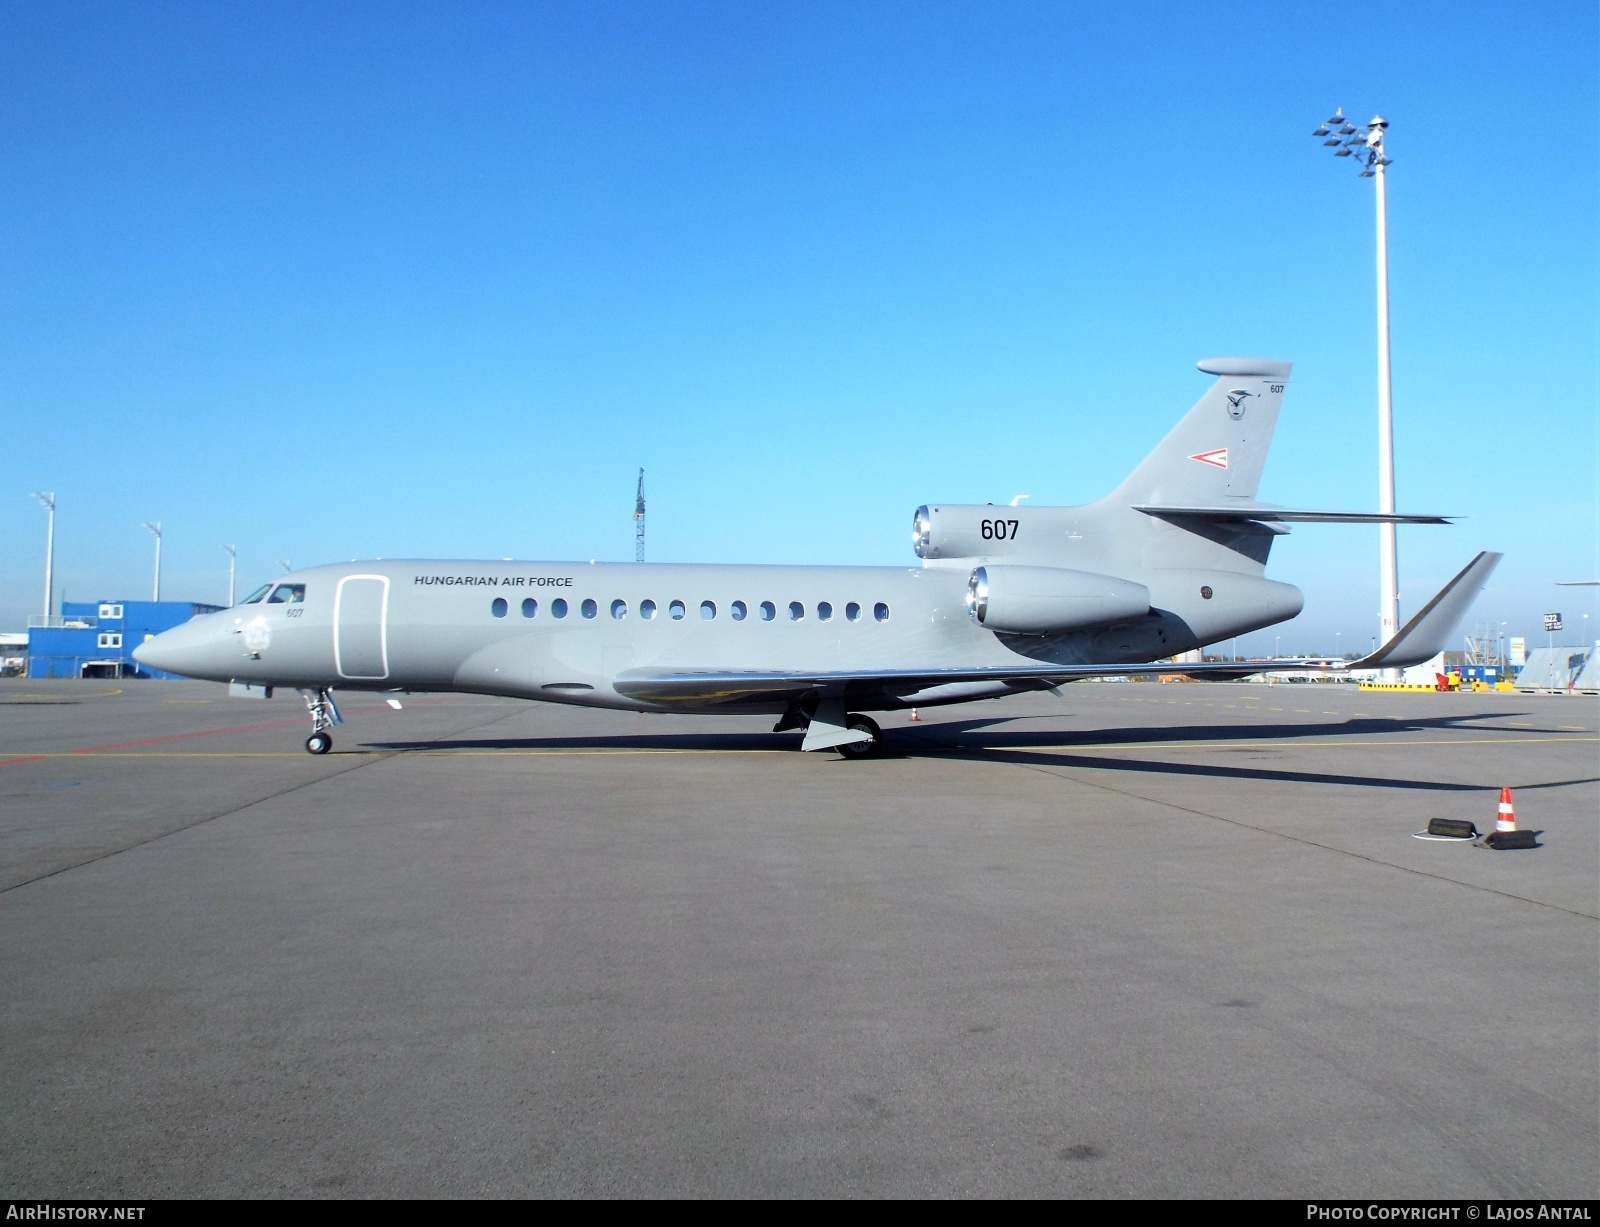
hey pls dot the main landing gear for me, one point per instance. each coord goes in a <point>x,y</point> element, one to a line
<point>863,749</point>
<point>829,727</point>
<point>324,715</point>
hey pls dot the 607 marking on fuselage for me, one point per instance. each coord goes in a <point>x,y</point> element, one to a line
<point>998,530</point>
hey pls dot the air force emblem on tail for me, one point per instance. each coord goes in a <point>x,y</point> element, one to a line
<point>1236,400</point>
<point>1217,458</point>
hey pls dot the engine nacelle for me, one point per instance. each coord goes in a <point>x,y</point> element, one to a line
<point>1049,600</point>
<point>968,530</point>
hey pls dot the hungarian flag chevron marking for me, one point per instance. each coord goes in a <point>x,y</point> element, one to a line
<point>1217,457</point>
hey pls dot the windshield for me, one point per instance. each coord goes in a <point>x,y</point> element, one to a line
<point>287,594</point>
<point>257,595</point>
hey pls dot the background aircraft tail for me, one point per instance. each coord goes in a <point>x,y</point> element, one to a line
<point>1215,454</point>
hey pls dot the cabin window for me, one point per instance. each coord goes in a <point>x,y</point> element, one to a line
<point>880,611</point>
<point>589,607</point>
<point>797,611</point>
<point>498,607</point>
<point>287,594</point>
<point>558,607</point>
<point>647,610</point>
<point>530,607</point>
<point>737,611</point>
<point>708,610</point>
<point>824,611</point>
<point>852,611</point>
<point>676,610</point>
<point>257,596</point>
<point>769,611</point>
<point>619,610</point>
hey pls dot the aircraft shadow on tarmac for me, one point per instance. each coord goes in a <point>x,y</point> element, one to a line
<point>999,739</point>
<point>1351,726</point>
<point>982,738</point>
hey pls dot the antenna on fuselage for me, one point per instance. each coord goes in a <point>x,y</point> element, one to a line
<point>638,521</point>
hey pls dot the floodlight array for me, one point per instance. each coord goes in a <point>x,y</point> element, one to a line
<point>1364,144</point>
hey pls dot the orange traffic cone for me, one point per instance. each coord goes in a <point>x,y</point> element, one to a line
<point>1507,820</point>
<point>1505,834</point>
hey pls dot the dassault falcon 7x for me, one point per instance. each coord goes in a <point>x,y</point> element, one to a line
<point>1006,599</point>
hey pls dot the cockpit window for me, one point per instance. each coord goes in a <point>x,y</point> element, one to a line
<point>257,595</point>
<point>287,594</point>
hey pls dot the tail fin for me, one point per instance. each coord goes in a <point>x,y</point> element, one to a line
<point>1217,451</point>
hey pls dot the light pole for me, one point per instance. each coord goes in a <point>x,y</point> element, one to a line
<point>155,527</point>
<point>233,558</point>
<point>284,563</point>
<point>1365,145</point>
<point>48,502</point>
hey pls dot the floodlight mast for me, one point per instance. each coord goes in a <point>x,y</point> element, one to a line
<point>638,521</point>
<point>1365,145</point>
<point>155,528</point>
<point>233,558</point>
<point>48,502</point>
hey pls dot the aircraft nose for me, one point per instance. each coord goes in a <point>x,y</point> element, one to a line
<point>183,649</point>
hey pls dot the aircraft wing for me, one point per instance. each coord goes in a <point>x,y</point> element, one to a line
<point>1285,515</point>
<point>1419,640</point>
<point>708,686</point>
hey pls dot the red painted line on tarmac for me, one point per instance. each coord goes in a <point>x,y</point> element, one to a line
<point>155,741</point>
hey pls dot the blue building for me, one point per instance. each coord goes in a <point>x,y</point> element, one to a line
<point>97,638</point>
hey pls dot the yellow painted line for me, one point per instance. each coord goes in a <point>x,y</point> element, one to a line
<point>1574,728</point>
<point>189,701</point>
<point>62,698</point>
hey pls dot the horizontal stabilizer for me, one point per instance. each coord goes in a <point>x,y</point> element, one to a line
<point>1283,515</point>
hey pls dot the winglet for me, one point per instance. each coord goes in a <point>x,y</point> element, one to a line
<point>1426,635</point>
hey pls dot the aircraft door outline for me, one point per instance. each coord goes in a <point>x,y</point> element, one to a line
<point>361,644</point>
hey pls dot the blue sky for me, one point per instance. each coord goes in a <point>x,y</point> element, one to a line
<point>339,280</point>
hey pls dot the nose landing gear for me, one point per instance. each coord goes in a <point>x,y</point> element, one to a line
<point>324,715</point>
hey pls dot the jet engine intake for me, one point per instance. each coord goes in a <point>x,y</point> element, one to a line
<point>1049,600</point>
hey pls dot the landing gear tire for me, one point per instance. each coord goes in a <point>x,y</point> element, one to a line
<point>318,743</point>
<point>863,749</point>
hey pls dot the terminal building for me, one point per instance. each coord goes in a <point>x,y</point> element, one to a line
<point>97,638</point>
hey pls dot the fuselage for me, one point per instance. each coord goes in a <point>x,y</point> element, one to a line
<point>563,632</point>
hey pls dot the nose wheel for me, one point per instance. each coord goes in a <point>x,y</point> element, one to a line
<point>324,715</point>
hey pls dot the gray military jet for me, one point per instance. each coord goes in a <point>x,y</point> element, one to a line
<point>1006,599</point>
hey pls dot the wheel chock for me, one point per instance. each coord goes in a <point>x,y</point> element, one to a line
<point>1448,830</point>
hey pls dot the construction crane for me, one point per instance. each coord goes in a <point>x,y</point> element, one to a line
<point>638,521</point>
